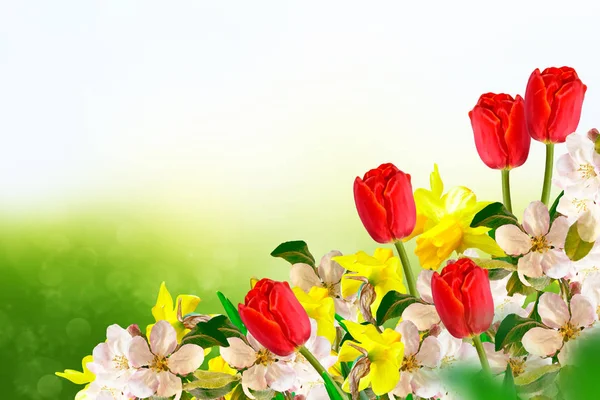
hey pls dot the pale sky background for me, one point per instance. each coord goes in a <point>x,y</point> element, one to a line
<point>265,111</point>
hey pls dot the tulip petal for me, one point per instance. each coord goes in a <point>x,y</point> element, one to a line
<point>566,111</point>
<point>516,135</point>
<point>536,219</point>
<point>451,311</point>
<point>289,314</point>
<point>537,109</point>
<point>489,137</point>
<point>372,214</point>
<point>477,300</point>
<point>583,312</point>
<point>542,342</point>
<point>553,310</point>
<point>267,332</point>
<point>513,240</point>
<point>400,205</point>
<point>186,360</point>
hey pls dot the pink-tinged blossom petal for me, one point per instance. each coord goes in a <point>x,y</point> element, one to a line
<point>558,232</point>
<point>254,377</point>
<point>186,360</point>
<point>410,337</point>
<point>531,265</point>
<point>280,376</point>
<point>424,285</point>
<point>542,342</point>
<point>404,387</point>
<point>430,354</point>
<point>238,354</point>
<point>553,310</point>
<point>304,276</point>
<point>513,240</point>
<point>588,224</point>
<point>102,354</point>
<point>424,316</point>
<point>536,219</point>
<point>330,271</point>
<point>139,354</point>
<point>143,383</point>
<point>118,339</point>
<point>168,384</point>
<point>555,264</point>
<point>426,383</point>
<point>583,312</point>
<point>497,359</point>
<point>163,338</point>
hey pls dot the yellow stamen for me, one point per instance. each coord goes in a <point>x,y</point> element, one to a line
<point>264,357</point>
<point>569,331</point>
<point>159,364</point>
<point>517,366</point>
<point>587,171</point>
<point>539,244</point>
<point>409,364</point>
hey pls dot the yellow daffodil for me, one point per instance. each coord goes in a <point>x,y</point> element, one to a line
<point>80,378</point>
<point>385,352</point>
<point>320,307</point>
<point>382,270</point>
<point>166,310</point>
<point>443,223</point>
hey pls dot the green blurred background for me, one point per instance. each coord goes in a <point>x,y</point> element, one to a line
<point>145,142</point>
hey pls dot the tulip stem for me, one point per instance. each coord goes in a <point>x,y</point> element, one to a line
<point>408,273</point>
<point>506,189</point>
<point>320,369</point>
<point>481,353</point>
<point>548,173</point>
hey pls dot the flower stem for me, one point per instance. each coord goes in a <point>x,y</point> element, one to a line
<point>320,369</point>
<point>506,189</point>
<point>408,273</point>
<point>481,353</point>
<point>548,173</point>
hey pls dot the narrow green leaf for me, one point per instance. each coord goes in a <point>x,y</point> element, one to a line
<point>553,212</point>
<point>279,396</point>
<point>512,329</point>
<point>330,387</point>
<point>494,216</point>
<point>508,383</point>
<point>575,247</point>
<point>232,312</point>
<point>294,252</point>
<point>493,264</point>
<point>393,305</point>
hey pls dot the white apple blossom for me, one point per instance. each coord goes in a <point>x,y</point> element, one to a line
<point>417,373</point>
<point>111,365</point>
<point>262,369</point>
<point>164,361</point>
<point>579,170</point>
<point>505,304</point>
<point>424,316</point>
<point>564,324</point>
<point>541,245</point>
<point>329,275</point>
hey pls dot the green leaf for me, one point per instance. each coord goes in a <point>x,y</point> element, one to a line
<point>211,385</point>
<point>294,252</point>
<point>330,387</point>
<point>238,394</point>
<point>498,274</point>
<point>575,247</point>
<point>232,312</point>
<point>393,305</point>
<point>537,379</point>
<point>279,396</point>
<point>553,212</point>
<point>213,332</point>
<point>514,285</point>
<point>508,384</point>
<point>491,264</point>
<point>512,329</point>
<point>539,283</point>
<point>494,216</point>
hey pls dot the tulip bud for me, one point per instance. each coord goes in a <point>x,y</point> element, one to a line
<point>385,203</point>
<point>553,102</point>
<point>463,298</point>
<point>501,136</point>
<point>274,317</point>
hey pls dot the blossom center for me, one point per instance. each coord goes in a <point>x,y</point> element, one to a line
<point>264,357</point>
<point>587,171</point>
<point>580,205</point>
<point>159,364</point>
<point>409,364</point>
<point>330,289</point>
<point>121,362</point>
<point>539,244</point>
<point>569,331</point>
<point>517,366</point>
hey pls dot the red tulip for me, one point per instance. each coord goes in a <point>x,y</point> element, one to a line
<point>500,130</point>
<point>385,203</point>
<point>463,298</point>
<point>274,317</point>
<point>553,103</point>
